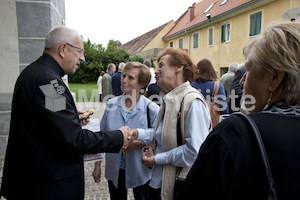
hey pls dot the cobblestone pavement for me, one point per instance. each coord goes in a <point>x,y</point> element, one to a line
<point>96,191</point>
<point>93,191</point>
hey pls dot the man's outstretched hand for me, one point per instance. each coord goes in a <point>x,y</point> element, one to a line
<point>129,136</point>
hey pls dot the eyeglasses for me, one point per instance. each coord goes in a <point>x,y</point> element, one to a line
<point>81,51</point>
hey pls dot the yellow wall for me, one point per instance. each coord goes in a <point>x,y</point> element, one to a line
<point>222,54</point>
<point>157,41</point>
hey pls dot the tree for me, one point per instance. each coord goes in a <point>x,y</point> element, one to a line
<point>114,43</point>
<point>137,58</point>
<point>89,70</point>
<point>97,59</point>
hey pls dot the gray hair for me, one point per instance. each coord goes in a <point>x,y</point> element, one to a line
<point>121,66</point>
<point>147,63</point>
<point>59,35</point>
<point>278,49</point>
<point>232,67</point>
<point>110,66</point>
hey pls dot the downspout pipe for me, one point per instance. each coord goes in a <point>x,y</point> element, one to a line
<point>189,41</point>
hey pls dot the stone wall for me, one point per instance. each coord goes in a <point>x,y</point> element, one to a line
<point>24,25</point>
<point>150,54</point>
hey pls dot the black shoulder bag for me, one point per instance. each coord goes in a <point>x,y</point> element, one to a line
<point>178,181</point>
<point>273,194</point>
<point>148,115</point>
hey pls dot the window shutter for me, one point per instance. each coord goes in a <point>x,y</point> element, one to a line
<point>195,46</point>
<point>252,25</point>
<point>227,32</point>
<point>255,24</point>
<point>223,33</point>
<point>181,43</point>
<point>210,36</point>
<point>258,23</point>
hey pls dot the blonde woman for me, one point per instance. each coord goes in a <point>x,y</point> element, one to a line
<point>125,169</point>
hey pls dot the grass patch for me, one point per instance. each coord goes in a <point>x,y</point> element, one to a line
<point>85,92</point>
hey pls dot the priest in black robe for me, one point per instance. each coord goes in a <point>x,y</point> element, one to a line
<point>44,158</point>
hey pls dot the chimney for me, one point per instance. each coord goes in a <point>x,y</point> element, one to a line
<point>191,13</point>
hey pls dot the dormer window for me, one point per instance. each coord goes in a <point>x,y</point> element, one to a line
<point>209,7</point>
<point>223,2</point>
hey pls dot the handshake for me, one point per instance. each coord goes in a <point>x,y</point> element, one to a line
<point>129,135</point>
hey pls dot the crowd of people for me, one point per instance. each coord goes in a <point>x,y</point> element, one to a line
<point>205,81</point>
<point>188,154</point>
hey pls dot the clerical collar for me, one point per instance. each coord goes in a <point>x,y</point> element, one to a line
<point>55,64</point>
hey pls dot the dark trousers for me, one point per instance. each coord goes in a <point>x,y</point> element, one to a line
<point>120,193</point>
<point>154,194</point>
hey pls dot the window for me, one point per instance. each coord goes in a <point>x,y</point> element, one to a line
<point>255,24</point>
<point>210,40</point>
<point>171,44</point>
<point>225,34</point>
<point>195,45</point>
<point>224,70</point>
<point>181,43</point>
<point>209,7</point>
<point>223,2</point>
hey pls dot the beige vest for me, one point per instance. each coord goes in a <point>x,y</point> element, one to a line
<point>168,138</point>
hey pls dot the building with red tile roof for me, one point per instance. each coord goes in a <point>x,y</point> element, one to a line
<point>148,44</point>
<point>198,13</point>
<point>218,29</point>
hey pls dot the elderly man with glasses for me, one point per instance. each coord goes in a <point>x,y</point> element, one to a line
<point>44,153</point>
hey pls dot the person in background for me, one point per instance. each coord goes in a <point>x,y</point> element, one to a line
<point>226,79</point>
<point>116,80</point>
<point>153,93</point>
<point>206,80</point>
<point>236,90</point>
<point>148,63</point>
<point>99,84</point>
<point>44,155</point>
<point>153,89</point>
<point>125,169</point>
<point>174,74</point>
<point>229,165</point>
<point>106,82</point>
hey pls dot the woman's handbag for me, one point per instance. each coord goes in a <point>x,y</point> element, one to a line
<point>273,194</point>
<point>179,182</point>
<point>214,113</point>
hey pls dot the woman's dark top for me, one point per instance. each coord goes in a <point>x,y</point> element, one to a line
<point>229,165</point>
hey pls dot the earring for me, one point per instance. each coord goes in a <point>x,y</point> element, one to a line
<point>268,102</point>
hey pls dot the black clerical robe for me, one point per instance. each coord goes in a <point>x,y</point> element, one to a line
<point>44,153</point>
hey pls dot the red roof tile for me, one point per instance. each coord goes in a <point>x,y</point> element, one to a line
<point>199,15</point>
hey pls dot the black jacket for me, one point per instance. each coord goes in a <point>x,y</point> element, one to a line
<point>229,165</point>
<point>44,152</point>
<point>236,86</point>
<point>116,83</point>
